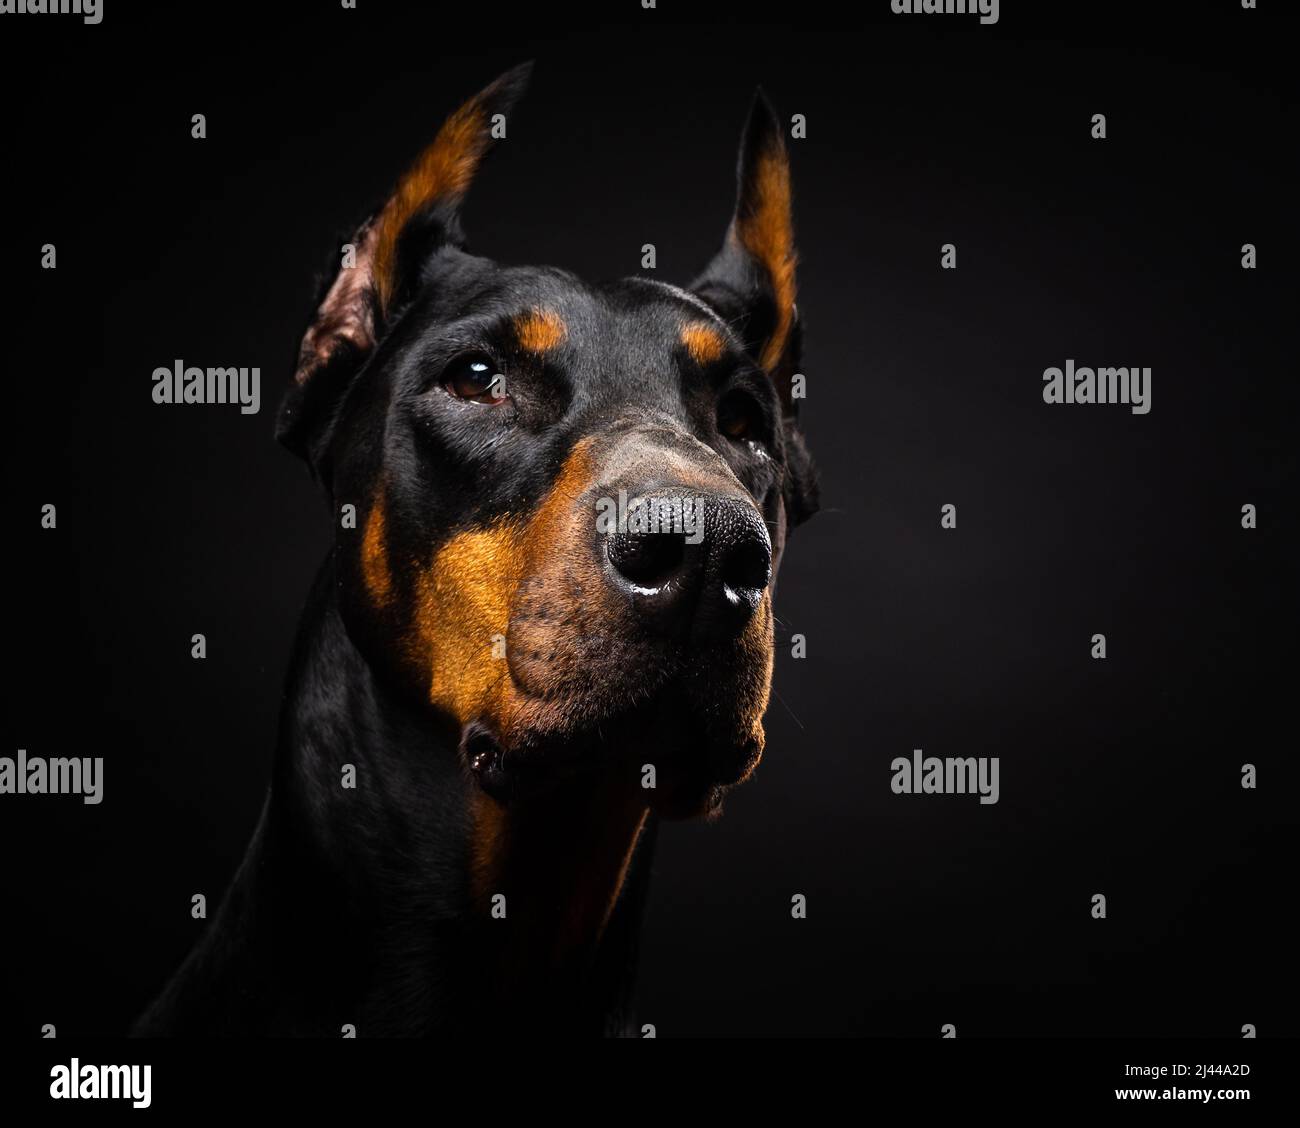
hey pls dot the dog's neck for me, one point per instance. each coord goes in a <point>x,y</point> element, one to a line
<point>386,890</point>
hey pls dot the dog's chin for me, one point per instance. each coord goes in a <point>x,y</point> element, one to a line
<point>677,749</point>
<point>696,782</point>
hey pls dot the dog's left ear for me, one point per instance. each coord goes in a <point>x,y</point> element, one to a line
<point>750,282</point>
<point>383,271</point>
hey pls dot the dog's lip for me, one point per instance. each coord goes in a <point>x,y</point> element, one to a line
<point>507,774</point>
<point>485,757</point>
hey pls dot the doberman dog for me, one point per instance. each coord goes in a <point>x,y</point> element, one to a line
<point>492,697</point>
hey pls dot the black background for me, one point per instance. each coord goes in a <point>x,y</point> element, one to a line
<point>924,387</point>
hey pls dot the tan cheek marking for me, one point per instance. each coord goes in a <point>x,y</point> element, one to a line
<point>539,331</point>
<point>463,602</point>
<point>374,555</point>
<point>553,516</point>
<point>704,344</point>
<point>765,232</point>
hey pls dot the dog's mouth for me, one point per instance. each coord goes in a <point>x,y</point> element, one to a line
<point>680,729</point>
<point>686,782</point>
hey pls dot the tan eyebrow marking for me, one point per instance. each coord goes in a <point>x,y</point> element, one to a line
<point>703,342</point>
<point>540,330</point>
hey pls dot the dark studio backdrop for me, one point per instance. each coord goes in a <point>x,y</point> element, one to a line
<point>1118,776</point>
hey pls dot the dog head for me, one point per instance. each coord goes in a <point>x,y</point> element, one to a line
<point>571,498</point>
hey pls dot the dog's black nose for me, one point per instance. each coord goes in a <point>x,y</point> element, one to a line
<point>692,567</point>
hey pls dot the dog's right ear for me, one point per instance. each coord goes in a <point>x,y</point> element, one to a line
<point>751,280</point>
<point>380,270</point>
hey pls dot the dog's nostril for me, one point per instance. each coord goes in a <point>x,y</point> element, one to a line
<point>747,568</point>
<point>648,560</point>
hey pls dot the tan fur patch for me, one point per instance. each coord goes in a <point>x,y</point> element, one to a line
<point>539,331</point>
<point>704,343</point>
<point>463,605</point>
<point>767,233</point>
<point>441,173</point>
<point>374,554</point>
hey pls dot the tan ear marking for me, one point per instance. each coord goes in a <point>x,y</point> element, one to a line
<point>765,230</point>
<point>443,172</point>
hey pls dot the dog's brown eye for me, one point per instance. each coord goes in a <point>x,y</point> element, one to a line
<point>737,416</point>
<point>475,378</point>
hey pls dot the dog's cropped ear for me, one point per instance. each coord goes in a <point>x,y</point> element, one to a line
<point>382,270</point>
<point>750,282</point>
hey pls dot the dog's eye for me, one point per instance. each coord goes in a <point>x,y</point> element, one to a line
<point>475,377</point>
<point>738,416</point>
